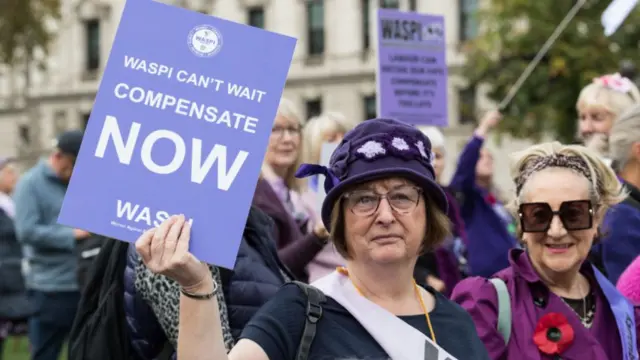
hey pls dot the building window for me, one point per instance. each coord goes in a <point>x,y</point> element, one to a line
<point>369,105</point>
<point>256,16</point>
<point>315,24</point>
<point>366,33</point>
<point>468,23</point>
<point>92,31</point>
<point>313,107</point>
<point>413,5</point>
<point>390,4</point>
<point>25,134</point>
<point>467,105</point>
<point>59,122</point>
<point>85,120</point>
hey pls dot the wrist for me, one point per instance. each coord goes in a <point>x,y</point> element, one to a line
<point>481,131</point>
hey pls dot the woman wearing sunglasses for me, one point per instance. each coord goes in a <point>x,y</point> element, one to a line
<point>551,303</point>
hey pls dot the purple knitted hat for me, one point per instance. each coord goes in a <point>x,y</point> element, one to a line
<point>376,149</point>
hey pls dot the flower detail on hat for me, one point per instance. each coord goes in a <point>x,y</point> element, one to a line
<point>399,143</point>
<point>423,152</point>
<point>371,149</point>
<point>615,82</point>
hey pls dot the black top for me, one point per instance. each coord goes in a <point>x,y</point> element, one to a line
<point>278,327</point>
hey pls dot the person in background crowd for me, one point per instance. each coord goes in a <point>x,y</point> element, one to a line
<point>326,128</point>
<point>383,208</point>
<point>15,307</point>
<point>561,306</point>
<point>53,262</point>
<point>629,282</point>
<point>621,227</point>
<point>279,194</point>
<point>447,265</point>
<point>489,227</point>
<point>152,301</point>
<point>598,105</point>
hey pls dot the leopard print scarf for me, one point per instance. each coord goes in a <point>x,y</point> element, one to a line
<point>163,296</point>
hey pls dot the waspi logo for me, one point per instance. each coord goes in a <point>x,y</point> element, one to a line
<point>205,40</point>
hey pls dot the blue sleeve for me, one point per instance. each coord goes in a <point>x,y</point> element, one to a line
<point>464,178</point>
<point>277,327</point>
<point>621,241</point>
<point>29,227</point>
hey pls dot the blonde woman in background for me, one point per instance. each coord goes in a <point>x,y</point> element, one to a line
<point>299,237</point>
<point>621,229</point>
<point>598,105</point>
<point>329,127</point>
<point>561,306</point>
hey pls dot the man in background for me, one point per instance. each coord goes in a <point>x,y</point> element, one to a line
<point>50,248</point>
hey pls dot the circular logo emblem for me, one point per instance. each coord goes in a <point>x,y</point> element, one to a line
<point>205,40</point>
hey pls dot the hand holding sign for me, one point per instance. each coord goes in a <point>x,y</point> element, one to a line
<point>165,251</point>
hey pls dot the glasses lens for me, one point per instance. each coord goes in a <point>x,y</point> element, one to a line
<point>535,217</point>
<point>576,215</point>
<point>363,202</point>
<point>404,199</point>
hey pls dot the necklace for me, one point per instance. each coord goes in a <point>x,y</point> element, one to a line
<point>344,271</point>
<point>586,318</point>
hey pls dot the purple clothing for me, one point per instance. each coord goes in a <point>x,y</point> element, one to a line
<point>478,296</point>
<point>488,238</point>
<point>296,248</point>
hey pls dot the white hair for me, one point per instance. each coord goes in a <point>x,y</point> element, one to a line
<point>624,133</point>
<point>435,136</point>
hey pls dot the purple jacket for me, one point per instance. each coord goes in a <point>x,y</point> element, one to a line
<point>488,240</point>
<point>479,298</point>
<point>295,248</point>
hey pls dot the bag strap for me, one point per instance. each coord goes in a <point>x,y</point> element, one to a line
<point>315,299</point>
<point>504,308</point>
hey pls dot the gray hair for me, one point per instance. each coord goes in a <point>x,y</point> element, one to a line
<point>624,133</point>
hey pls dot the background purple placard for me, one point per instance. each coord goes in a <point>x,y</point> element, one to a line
<point>161,33</point>
<point>412,69</point>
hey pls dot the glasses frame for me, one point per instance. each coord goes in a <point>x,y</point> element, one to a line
<point>558,213</point>
<point>284,130</point>
<point>384,196</point>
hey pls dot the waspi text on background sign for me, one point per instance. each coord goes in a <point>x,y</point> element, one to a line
<point>412,71</point>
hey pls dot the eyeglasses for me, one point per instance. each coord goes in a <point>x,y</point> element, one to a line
<point>366,202</point>
<point>575,215</point>
<point>279,131</point>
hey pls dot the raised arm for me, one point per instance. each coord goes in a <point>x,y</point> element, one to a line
<point>464,178</point>
<point>165,250</point>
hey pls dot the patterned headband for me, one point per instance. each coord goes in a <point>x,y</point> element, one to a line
<point>575,163</point>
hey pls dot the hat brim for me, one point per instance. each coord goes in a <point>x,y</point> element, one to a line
<point>432,191</point>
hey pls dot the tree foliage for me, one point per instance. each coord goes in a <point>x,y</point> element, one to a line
<point>512,32</point>
<point>25,27</point>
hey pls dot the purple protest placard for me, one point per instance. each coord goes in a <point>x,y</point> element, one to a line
<point>180,125</point>
<point>412,69</point>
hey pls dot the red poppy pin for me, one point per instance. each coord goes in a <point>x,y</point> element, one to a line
<point>491,199</point>
<point>553,334</point>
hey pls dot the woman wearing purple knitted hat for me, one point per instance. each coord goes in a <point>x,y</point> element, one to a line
<point>383,208</point>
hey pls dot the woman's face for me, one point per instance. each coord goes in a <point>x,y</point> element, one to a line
<point>484,167</point>
<point>438,162</point>
<point>392,232</point>
<point>8,178</point>
<point>594,120</point>
<point>284,143</point>
<point>558,249</point>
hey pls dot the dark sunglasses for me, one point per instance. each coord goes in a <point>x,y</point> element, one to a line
<point>575,215</point>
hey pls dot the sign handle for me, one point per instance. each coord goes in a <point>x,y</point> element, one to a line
<point>536,60</point>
